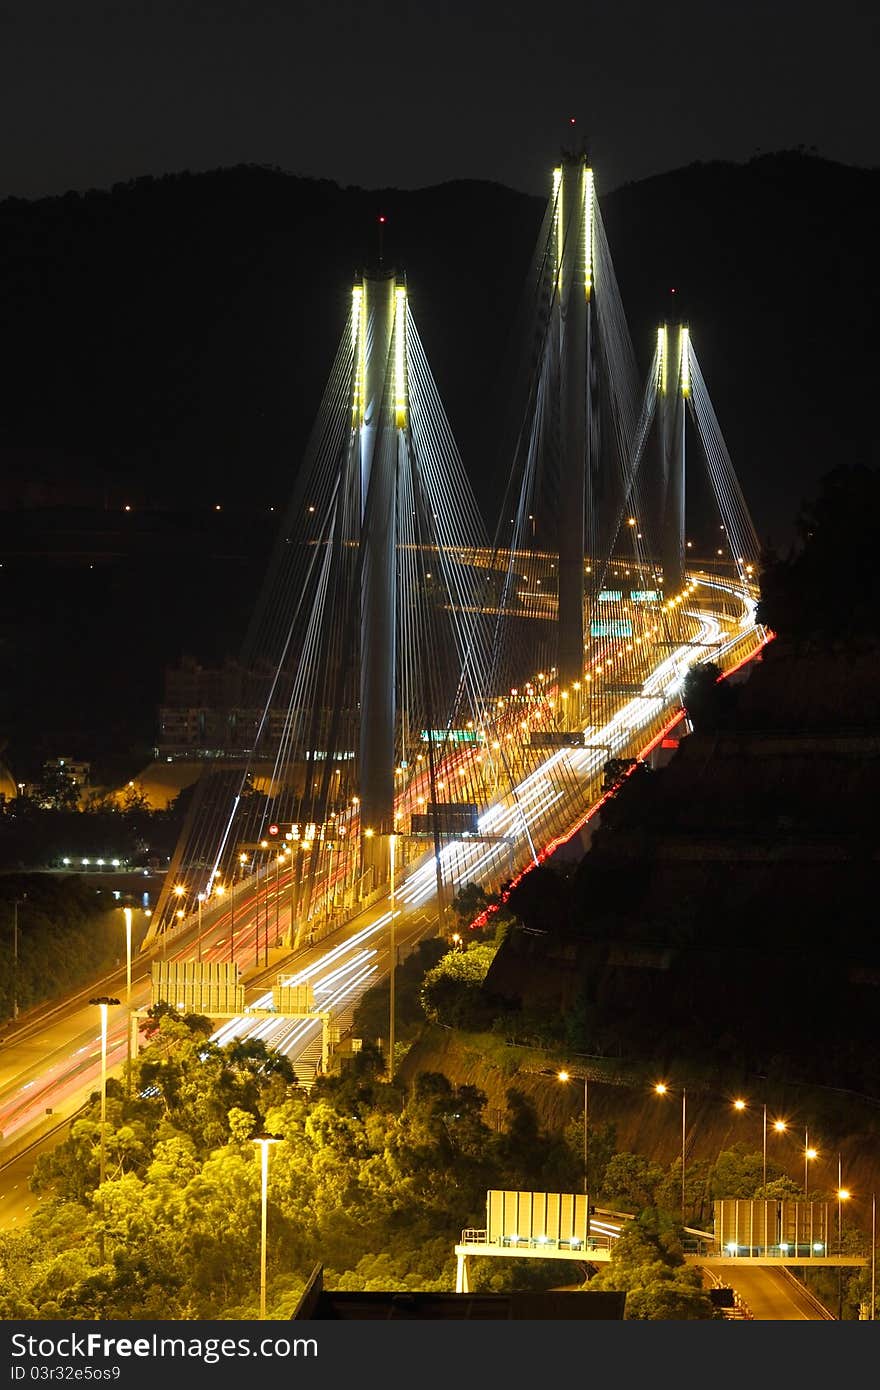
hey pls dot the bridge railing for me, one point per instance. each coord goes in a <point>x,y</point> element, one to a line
<point>477,1236</point>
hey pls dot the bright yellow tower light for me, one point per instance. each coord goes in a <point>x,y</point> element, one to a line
<point>400,357</point>
<point>685,363</point>
<point>661,359</point>
<point>557,199</point>
<point>588,232</point>
<point>358,348</point>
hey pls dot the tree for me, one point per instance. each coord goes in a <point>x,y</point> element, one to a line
<point>451,990</point>
<point>737,1172</point>
<point>372,1009</point>
<point>709,700</point>
<point>468,903</point>
<point>658,1284</point>
<point>632,1180</point>
<point>56,789</point>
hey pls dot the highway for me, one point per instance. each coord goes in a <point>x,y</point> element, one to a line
<point>775,1295</point>
<point>51,1060</point>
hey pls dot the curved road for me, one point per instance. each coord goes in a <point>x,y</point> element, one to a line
<point>774,1295</point>
<point>50,1062</point>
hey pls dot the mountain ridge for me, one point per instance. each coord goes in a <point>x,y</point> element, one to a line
<point>191,296</point>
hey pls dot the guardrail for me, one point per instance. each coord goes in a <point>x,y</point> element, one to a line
<point>811,1298</point>
<point>476,1236</point>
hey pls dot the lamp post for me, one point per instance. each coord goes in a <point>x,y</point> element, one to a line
<point>778,1125</point>
<point>842,1196</point>
<point>219,889</point>
<point>232,920</point>
<point>103,1002</point>
<point>764,1145</point>
<point>15,907</point>
<point>200,898</point>
<point>280,858</point>
<point>127,914</point>
<point>264,1141</point>
<point>328,902</point>
<point>662,1089</point>
<point>809,1155</point>
<point>564,1076</point>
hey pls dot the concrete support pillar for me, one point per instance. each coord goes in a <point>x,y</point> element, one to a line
<point>574,253</point>
<point>670,408</point>
<point>462,1273</point>
<point>379,443</point>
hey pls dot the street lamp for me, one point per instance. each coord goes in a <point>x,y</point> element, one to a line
<point>103,1002</point>
<point>809,1155</point>
<point>200,898</point>
<point>264,1141</point>
<point>328,902</point>
<point>282,859</point>
<point>662,1089</point>
<point>221,891</point>
<point>778,1125</point>
<point>843,1195</point>
<point>127,914</point>
<point>15,907</point>
<point>564,1076</point>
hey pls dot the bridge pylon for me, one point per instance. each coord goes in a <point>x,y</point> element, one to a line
<point>379,418</point>
<point>574,261</point>
<point>673,385</point>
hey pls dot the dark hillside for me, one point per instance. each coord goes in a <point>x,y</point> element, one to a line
<point>166,343</point>
<point>725,910</point>
<point>172,336</point>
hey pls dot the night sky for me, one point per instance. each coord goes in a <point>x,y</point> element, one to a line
<point>413,94</point>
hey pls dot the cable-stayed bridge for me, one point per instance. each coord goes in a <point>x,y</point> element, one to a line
<point>449,699</point>
<point>440,701</point>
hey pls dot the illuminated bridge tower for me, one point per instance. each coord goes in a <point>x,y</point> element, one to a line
<point>574,264</point>
<point>380,409</point>
<point>673,389</point>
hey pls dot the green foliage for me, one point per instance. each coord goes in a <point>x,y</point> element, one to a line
<point>360,1180</point>
<point>66,934</point>
<point>659,1286</point>
<point>468,903</point>
<point>39,831</point>
<point>371,1015</point>
<point>374,1181</point>
<point>736,1173</point>
<point>451,991</point>
<point>632,1181</point>
<point>601,1148</point>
